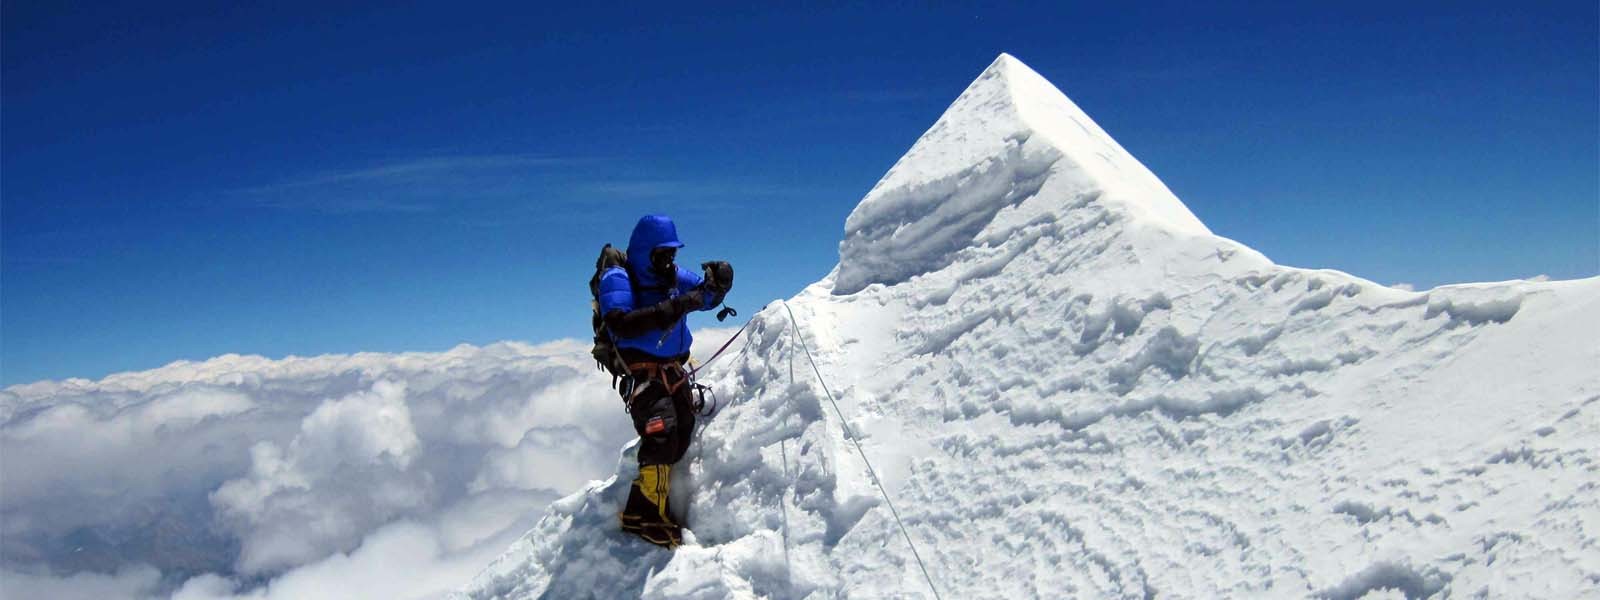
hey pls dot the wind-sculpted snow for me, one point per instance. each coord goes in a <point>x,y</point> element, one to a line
<point>1070,388</point>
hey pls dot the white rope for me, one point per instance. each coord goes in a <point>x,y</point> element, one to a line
<point>783,499</point>
<point>848,433</point>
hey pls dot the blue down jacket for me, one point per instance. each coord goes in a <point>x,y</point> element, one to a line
<point>618,293</point>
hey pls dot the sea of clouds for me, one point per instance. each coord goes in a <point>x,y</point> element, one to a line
<point>341,476</point>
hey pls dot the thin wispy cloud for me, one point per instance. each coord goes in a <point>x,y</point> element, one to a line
<point>348,205</point>
<point>665,188</point>
<point>685,197</point>
<point>410,170</point>
<point>465,185</point>
<point>414,185</point>
<point>46,261</point>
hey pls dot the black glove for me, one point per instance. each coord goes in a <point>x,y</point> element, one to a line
<point>656,317</point>
<point>718,276</point>
<point>686,303</point>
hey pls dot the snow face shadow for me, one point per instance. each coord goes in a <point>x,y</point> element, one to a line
<point>900,232</point>
<point>613,561</point>
<point>744,469</point>
<point>1387,576</point>
<point>578,549</point>
<point>626,564</point>
<point>1473,309</point>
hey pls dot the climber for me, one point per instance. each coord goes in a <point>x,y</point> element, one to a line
<point>643,305</point>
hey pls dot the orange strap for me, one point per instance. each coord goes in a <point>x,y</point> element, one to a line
<point>658,371</point>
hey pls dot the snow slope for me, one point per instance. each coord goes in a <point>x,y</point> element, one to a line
<point>1071,388</point>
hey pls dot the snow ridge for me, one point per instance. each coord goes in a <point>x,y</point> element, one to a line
<point>1070,388</point>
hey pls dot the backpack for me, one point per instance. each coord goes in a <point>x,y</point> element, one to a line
<point>606,355</point>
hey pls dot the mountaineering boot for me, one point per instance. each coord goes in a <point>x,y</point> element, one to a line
<point>647,513</point>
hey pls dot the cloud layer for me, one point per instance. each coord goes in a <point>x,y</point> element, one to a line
<point>333,476</point>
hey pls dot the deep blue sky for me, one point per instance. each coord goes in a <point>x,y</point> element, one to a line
<point>186,181</point>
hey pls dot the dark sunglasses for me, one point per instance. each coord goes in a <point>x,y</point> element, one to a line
<point>661,258</point>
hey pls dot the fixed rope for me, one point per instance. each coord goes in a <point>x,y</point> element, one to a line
<point>783,501</point>
<point>870,471</point>
<point>719,351</point>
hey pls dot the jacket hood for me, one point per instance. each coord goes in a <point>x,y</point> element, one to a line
<point>652,231</point>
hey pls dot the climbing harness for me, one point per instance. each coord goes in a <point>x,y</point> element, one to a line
<point>659,371</point>
<point>673,377</point>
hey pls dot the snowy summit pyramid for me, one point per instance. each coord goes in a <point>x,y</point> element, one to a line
<point>997,146</point>
<point>1069,387</point>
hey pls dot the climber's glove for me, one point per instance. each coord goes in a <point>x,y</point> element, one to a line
<point>718,276</point>
<point>656,317</point>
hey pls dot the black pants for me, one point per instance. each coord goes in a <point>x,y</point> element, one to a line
<point>663,415</point>
<point>663,420</point>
